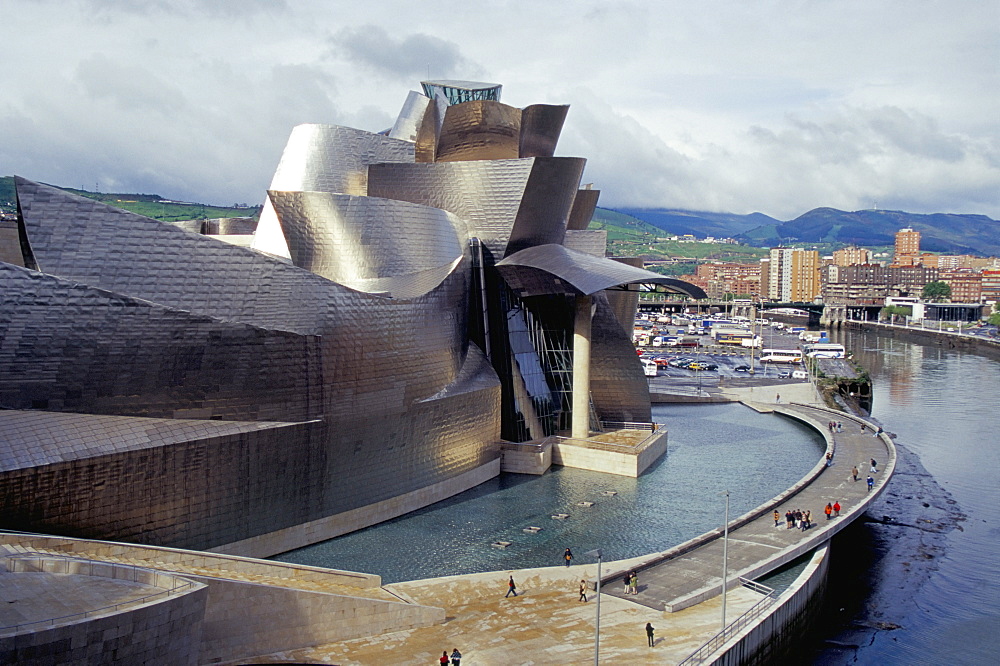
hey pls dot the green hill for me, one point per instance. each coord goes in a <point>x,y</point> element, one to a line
<point>149,205</point>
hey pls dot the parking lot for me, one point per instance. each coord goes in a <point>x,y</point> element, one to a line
<point>726,358</point>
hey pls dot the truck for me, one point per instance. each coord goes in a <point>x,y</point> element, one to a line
<point>684,342</point>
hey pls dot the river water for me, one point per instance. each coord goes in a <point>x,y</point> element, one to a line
<point>935,573</point>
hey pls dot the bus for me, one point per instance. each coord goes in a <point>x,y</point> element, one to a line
<point>735,338</point>
<point>780,356</point>
<point>648,367</point>
<point>820,350</point>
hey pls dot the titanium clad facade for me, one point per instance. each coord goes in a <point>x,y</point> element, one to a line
<point>541,125</point>
<point>398,315</point>
<point>480,130</point>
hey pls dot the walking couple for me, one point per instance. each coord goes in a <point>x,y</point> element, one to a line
<point>631,583</point>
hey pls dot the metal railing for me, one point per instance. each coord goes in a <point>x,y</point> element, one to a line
<point>47,563</point>
<point>628,425</point>
<point>739,624</point>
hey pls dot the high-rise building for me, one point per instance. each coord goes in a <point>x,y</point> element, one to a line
<point>907,248</point>
<point>793,275</point>
<point>966,284</point>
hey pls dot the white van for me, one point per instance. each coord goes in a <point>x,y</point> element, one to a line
<point>800,374</point>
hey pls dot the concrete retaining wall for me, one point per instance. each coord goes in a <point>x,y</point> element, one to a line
<point>622,461</point>
<point>526,458</point>
<point>765,641</point>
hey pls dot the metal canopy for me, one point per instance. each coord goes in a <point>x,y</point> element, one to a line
<point>553,269</point>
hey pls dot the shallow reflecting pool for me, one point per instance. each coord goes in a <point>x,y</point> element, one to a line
<point>711,448</point>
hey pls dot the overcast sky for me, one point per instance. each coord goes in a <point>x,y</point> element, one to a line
<point>738,106</point>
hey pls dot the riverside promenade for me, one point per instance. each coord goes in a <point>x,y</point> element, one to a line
<point>547,624</point>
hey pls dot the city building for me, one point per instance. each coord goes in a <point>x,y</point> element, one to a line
<point>411,300</point>
<point>852,255</point>
<point>871,284</point>
<point>966,284</point>
<point>907,248</point>
<point>722,279</point>
<point>991,286</point>
<point>794,275</point>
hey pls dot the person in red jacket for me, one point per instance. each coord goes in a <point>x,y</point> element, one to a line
<point>828,510</point>
<point>836,508</point>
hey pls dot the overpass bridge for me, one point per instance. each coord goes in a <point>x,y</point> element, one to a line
<point>819,314</point>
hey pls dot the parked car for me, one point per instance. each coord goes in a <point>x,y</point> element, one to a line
<point>742,368</point>
<point>784,374</point>
<point>697,366</point>
<point>711,366</point>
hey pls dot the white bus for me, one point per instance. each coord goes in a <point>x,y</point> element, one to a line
<point>780,356</point>
<point>648,367</point>
<point>818,350</point>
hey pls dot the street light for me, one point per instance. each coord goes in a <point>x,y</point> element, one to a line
<point>725,559</point>
<point>597,624</point>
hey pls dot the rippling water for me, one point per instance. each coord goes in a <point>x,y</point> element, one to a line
<point>944,405</point>
<point>712,448</point>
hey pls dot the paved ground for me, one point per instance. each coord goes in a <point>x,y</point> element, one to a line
<point>546,624</point>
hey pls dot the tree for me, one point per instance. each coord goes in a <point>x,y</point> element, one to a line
<point>936,291</point>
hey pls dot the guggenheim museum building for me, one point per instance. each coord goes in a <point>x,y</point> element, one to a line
<point>411,301</point>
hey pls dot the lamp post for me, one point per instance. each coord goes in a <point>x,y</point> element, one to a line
<point>597,624</point>
<point>725,560</point>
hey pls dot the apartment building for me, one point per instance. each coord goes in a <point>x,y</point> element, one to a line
<point>793,274</point>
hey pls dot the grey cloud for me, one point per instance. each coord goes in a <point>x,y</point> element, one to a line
<point>406,58</point>
<point>128,86</point>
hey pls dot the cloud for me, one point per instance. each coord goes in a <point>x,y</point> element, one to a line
<point>409,58</point>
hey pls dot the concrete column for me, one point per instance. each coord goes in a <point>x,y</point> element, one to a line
<point>581,368</point>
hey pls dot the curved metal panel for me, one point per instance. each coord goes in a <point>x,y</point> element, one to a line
<point>480,130</point>
<point>354,240</point>
<point>548,197</point>
<point>586,274</point>
<point>541,125</point>
<point>486,195</point>
<point>584,206</point>
<point>429,130</point>
<point>325,158</point>
<point>410,117</point>
<point>618,387</point>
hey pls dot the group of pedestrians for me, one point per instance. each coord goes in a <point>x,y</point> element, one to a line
<point>631,583</point>
<point>832,510</point>
<point>455,659</point>
<point>794,519</point>
<point>835,426</point>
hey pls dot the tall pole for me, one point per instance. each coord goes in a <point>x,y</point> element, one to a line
<point>597,624</point>
<point>725,560</point>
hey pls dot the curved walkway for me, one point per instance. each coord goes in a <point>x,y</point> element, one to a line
<point>692,572</point>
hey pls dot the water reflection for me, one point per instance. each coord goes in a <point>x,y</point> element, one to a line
<point>712,447</point>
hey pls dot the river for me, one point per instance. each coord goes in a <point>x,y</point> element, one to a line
<point>932,568</point>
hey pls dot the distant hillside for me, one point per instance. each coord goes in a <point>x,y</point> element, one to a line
<point>699,223</point>
<point>149,205</point>
<point>940,232</point>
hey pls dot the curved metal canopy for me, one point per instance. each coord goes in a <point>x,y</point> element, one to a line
<point>552,269</point>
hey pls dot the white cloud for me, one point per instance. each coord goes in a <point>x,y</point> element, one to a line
<point>723,105</point>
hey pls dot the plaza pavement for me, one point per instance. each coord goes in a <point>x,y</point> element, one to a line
<point>547,624</point>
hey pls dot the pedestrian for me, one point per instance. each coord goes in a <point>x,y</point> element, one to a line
<point>628,582</point>
<point>777,398</point>
<point>836,508</point>
<point>511,588</point>
<point>456,657</point>
<point>789,519</point>
<point>568,556</point>
<point>840,427</point>
<point>862,428</point>
<point>444,658</point>
<point>879,431</point>
<point>871,483</point>
<point>828,510</point>
<point>583,590</point>
<point>874,467</point>
<point>809,518</point>
<point>854,473</point>
<point>797,517</point>
<point>634,584</point>
<point>649,633</point>
<point>777,516</point>
<point>829,459</point>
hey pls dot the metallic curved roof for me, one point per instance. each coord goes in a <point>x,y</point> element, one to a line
<point>547,269</point>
